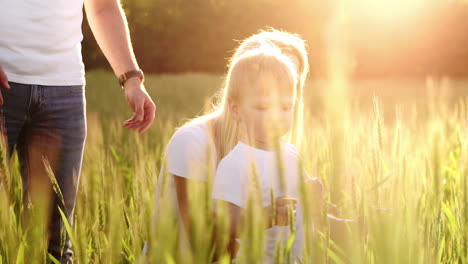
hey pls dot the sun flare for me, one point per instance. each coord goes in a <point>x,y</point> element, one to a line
<point>385,10</point>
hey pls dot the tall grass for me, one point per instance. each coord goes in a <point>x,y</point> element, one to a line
<point>402,174</point>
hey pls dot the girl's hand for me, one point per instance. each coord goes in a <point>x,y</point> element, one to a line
<point>284,208</point>
<point>316,190</point>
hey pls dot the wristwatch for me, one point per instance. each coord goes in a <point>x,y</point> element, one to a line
<point>130,74</point>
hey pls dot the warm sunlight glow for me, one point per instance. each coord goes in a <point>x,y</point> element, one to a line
<point>386,10</point>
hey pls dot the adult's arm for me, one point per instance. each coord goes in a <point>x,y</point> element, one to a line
<point>109,25</point>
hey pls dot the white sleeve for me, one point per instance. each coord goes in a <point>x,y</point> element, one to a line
<point>229,184</point>
<point>186,153</point>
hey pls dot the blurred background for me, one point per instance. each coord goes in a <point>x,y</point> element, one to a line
<point>385,38</point>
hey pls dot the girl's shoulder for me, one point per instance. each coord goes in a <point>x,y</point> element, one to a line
<point>190,133</point>
<point>190,141</point>
<point>189,152</point>
<point>192,129</point>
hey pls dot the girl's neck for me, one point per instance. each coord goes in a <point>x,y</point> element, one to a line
<point>262,145</point>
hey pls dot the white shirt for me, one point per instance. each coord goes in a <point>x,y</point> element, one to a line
<point>232,181</point>
<point>189,154</point>
<point>40,41</point>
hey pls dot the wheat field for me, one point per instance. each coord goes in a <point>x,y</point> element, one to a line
<point>391,153</point>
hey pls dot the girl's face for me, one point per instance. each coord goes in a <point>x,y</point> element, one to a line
<point>266,110</point>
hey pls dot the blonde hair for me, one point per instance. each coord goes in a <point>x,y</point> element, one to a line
<point>266,52</point>
<point>289,44</point>
<point>293,46</point>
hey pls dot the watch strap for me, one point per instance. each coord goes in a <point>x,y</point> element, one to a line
<point>130,74</point>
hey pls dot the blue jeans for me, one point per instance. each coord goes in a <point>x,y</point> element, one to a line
<point>47,125</point>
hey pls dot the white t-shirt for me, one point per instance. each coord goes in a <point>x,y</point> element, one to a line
<point>232,181</point>
<point>189,154</point>
<point>40,41</point>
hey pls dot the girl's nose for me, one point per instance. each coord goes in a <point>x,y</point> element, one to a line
<point>275,119</point>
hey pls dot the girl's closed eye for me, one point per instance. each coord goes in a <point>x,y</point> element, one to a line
<point>262,107</point>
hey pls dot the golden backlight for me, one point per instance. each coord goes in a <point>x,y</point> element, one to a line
<point>386,11</point>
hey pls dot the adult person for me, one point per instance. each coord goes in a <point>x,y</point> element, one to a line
<point>42,96</point>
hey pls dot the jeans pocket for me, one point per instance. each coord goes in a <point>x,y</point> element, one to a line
<point>77,89</point>
<point>60,96</point>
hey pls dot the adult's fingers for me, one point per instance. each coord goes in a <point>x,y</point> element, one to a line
<point>139,111</point>
<point>139,126</point>
<point>137,117</point>
<point>150,114</point>
<point>133,126</point>
<point>131,121</point>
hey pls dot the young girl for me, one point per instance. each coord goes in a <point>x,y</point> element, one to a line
<point>262,99</point>
<point>198,146</point>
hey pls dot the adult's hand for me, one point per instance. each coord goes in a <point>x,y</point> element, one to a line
<point>3,83</point>
<point>144,109</point>
<point>109,25</point>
